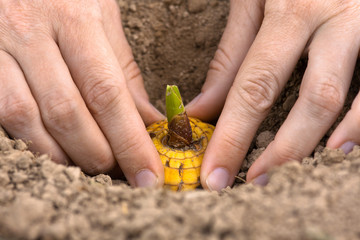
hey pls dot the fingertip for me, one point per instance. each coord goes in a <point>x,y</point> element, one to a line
<point>252,174</point>
<point>257,173</point>
<point>145,178</point>
<point>347,147</point>
<point>205,106</point>
<point>276,154</point>
<point>148,175</point>
<point>193,109</point>
<point>217,180</point>
<point>149,113</point>
<point>346,134</point>
<point>224,155</point>
<point>193,103</point>
<point>145,173</point>
<point>261,180</point>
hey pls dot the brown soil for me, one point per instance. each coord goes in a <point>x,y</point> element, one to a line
<point>173,42</point>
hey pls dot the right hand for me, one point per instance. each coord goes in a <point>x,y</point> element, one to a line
<point>68,80</point>
<point>259,50</point>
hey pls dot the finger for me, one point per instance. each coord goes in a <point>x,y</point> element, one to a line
<point>265,70</point>
<point>115,34</point>
<point>347,133</point>
<point>19,113</point>
<point>322,94</point>
<point>62,109</point>
<point>97,74</point>
<point>243,24</point>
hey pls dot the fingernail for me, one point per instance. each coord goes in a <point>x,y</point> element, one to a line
<point>347,147</point>
<point>261,180</point>
<point>218,179</point>
<point>146,178</point>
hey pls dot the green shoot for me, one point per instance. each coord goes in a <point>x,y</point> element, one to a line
<point>174,104</point>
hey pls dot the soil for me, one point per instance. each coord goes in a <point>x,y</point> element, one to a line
<point>173,42</point>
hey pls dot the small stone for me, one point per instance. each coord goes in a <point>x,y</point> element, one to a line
<point>251,158</point>
<point>289,102</point>
<point>6,144</point>
<point>132,7</point>
<point>308,161</point>
<point>103,179</point>
<point>242,174</point>
<point>20,145</point>
<point>195,6</point>
<point>73,173</point>
<point>264,139</point>
<point>173,9</point>
<point>332,156</point>
<point>200,39</point>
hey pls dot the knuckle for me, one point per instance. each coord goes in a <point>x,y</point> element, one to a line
<point>221,60</point>
<point>284,8</point>
<point>101,95</point>
<point>77,13</point>
<point>348,4</point>
<point>60,112</point>
<point>259,91</point>
<point>326,97</point>
<point>131,70</point>
<point>17,23</point>
<point>349,9</point>
<point>291,13</point>
<point>232,139</point>
<point>17,111</point>
<point>287,151</point>
<point>128,148</point>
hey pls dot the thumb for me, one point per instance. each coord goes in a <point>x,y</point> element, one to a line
<point>243,24</point>
<point>135,83</point>
<point>116,36</point>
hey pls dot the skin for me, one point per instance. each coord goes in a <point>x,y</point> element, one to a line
<point>258,51</point>
<point>70,85</point>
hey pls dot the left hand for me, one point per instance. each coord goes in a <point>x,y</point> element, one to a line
<point>259,49</point>
<point>69,84</point>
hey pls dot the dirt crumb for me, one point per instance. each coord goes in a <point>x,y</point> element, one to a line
<point>289,102</point>
<point>264,138</point>
<point>195,6</point>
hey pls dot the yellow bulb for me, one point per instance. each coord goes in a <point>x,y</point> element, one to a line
<point>181,166</point>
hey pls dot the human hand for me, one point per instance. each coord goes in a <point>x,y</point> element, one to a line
<point>68,79</point>
<point>259,49</point>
